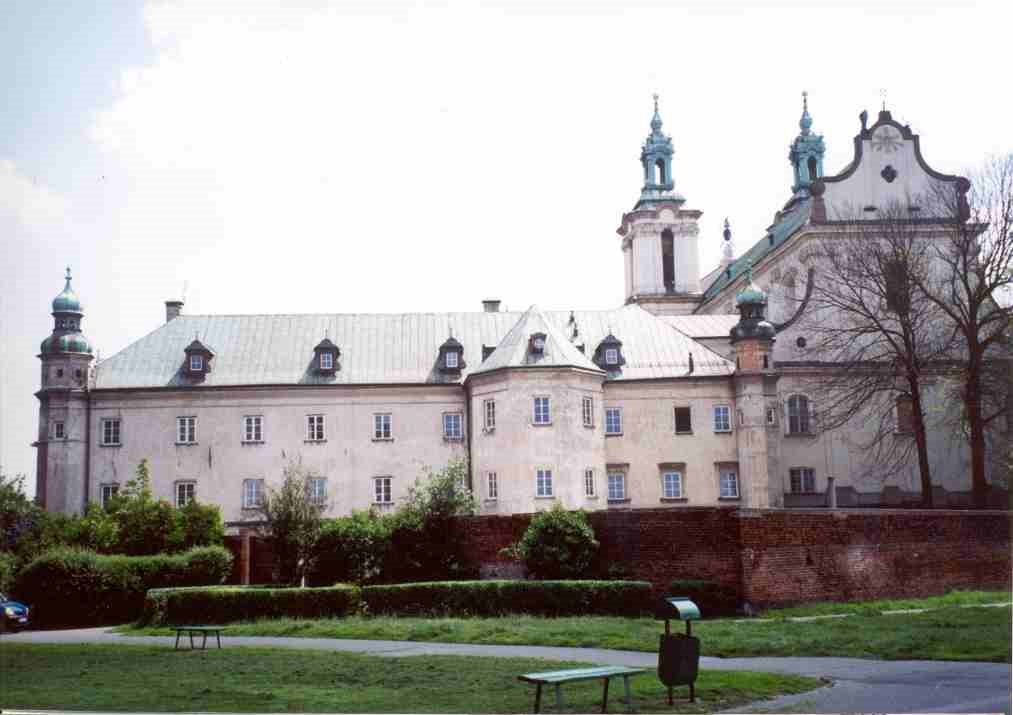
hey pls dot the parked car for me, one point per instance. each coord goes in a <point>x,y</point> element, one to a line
<point>15,614</point>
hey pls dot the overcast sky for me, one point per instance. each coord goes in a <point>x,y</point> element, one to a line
<point>406,156</point>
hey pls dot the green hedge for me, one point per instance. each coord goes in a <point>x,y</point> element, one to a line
<point>183,606</point>
<point>713,599</point>
<point>497,598</point>
<point>73,587</point>
<point>8,570</point>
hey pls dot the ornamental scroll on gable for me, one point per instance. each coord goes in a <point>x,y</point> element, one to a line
<point>887,174</point>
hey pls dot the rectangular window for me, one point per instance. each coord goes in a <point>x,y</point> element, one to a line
<point>613,420</point>
<point>108,491</point>
<point>326,361</point>
<point>587,411</point>
<point>186,492</point>
<point>490,415</point>
<point>186,430</point>
<point>111,432</point>
<point>491,486</point>
<point>381,426</point>
<point>196,363</point>
<point>803,480</point>
<point>905,414</point>
<point>617,486</point>
<point>318,490</point>
<point>722,418</point>
<point>542,411</point>
<point>452,425</point>
<point>683,421</point>
<point>451,360</point>
<point>771,416</point>
<point>381,490</point>
<point>58,430</point>
<point>253,493</point>
<point>611,356</point>
<point>729,484</point>
<point>543,483</point>
<point>253,428</point>
<point>315,427</point>
<point>671,485</point>
<point>589,483</point>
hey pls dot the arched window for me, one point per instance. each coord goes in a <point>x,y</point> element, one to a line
<point>812,169</point>
<point>668,260</point>
<point>660,164</point>
<point>799,421</point>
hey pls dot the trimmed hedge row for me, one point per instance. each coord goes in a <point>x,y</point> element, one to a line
<point>181,606</point>
<point>497,598</point>
<point>72,587</point>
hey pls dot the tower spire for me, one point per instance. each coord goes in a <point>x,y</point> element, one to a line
<point>656,158</point>
<point>806,152</point>
<point>727,246</point>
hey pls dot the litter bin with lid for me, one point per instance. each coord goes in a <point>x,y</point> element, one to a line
<point>678,654</point>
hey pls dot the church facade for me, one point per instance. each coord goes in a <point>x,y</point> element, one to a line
<point>692,393</point>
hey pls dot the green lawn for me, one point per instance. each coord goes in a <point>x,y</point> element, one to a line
<point>159,679</point>
<point>951,633</point>
<point>951,599</point>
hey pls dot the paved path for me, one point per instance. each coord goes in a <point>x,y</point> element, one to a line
<point>858,685</point>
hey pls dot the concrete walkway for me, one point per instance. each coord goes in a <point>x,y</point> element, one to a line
<point>858,685</point>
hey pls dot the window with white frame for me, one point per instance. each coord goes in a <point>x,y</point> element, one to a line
<point>58,430</point>
<point>315,427</point>
<point>722,418</point>
<point>111,431</point>
<point>613,420</point>
<point>326,361</point>
<point>253,428</point>
<point>318,490</point>
<point>381,490</point>
<point>451,359</point>
<point>452,425</point>
<point>186,430</point>
<point>196,363</point>
<point>671,484</point>
<point>683,420</point>
<point>543,483</point>
<point>589,490</point>
<point>611,356</point>
<point>617,486</point>
<point>253,493</point>
<point>771,416</point>
<point>587,411</point>
<point>728,483</point>
<point>186,492</point>
<point>491,486</point>
<point>802,480</point>
<point>107,492</point>
<point>490,415</point>
<point>542,416</point>
<point>799,413</point>
<point>382,426</point>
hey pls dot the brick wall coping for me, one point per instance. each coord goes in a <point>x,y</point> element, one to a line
<point>845,511</point>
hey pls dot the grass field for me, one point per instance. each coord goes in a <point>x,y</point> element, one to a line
<point>159,679</point>
<point>950,633</point>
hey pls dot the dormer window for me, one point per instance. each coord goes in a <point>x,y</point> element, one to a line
<point>451,358</point>
<point>609,353</point>
<point>537,343</point>
<point>198,360</point>
<point>196,363</point>
<point>325,357</point>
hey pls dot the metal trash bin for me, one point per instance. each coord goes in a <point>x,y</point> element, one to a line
<point>678,654</point>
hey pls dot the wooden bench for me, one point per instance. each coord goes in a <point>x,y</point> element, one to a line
<point>202,630</point>
<point>558,677</point>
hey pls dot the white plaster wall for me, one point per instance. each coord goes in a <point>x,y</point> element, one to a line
<point>649,438</point>
<point>220,461</point>
<point>517,447</point>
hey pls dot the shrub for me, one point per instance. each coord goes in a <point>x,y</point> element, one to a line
<point>146,525</point>
<point>558,544</point>
<point>74,587</point>
<point>178,606</point>
<point>350,549</point>
<point>198,525</point>
<point>8,569</point>
<point>497,598</point>
<point>713,598</point>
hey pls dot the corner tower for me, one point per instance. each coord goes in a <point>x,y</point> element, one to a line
<point>659,237</point>
<point>61,461</point>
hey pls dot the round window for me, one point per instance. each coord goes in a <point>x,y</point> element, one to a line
<point>800,342</point>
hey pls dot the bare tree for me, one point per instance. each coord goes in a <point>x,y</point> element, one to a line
<point>875,338</point>
<point>972,290</point>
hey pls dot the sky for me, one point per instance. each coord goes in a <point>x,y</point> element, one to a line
<point>373,156</point>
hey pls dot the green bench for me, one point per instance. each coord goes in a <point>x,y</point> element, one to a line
<point>558,677</point>
<point>200,630</point>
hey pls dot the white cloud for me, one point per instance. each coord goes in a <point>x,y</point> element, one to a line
<point>31,204</point>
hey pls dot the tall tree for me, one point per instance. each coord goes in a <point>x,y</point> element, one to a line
<point>291,517</point>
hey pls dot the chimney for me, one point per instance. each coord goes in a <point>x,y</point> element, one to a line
<point>490,306</point>
<point>173,309</point>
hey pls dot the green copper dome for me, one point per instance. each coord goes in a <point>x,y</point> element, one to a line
<point>67,301</point>
<point>752,294</point>
<point>68,343</point>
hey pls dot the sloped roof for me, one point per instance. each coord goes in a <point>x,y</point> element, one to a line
<point>789,220</point>
<point>717,325</point>
<point>514,350</point>
<point>384,348</point>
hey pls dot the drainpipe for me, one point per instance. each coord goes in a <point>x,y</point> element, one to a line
<point>467,442</point>
<point>87,447</point>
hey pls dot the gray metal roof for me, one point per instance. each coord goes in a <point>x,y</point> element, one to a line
<point>717,325</point>
<point>383,348</point>
<point>514,349</point>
